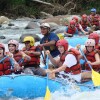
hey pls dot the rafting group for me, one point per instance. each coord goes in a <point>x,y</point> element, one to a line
<point>61,57</point>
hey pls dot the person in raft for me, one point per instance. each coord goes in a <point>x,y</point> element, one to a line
<point>34,52</point>
<point>85,23</point>
<point>78,26</point>
<point>7,64</point>
<point>96,37</point>
<point>94,19</point>
<point>71,29</point>
<point>48,42</point>
<point>68,61</point>
<point>71,62</point>
<point>19,56</point>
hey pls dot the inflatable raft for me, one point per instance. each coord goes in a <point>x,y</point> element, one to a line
<point>28,86</point>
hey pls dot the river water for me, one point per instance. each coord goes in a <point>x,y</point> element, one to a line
<point>15,34</point>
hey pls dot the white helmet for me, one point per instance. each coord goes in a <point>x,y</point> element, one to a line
<point>14,42</point>
<point>45,25</point>
<point>90,42</point>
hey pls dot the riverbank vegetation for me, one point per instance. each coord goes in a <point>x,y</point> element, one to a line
<point>32,8</point>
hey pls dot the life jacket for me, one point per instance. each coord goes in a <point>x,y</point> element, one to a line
<point>71,30</point>
<point>18,56</point>
<point>35,60</point>
<point>97,47</point>
<point>94,20</point>
<point>76,69</point>
<point>77,26</point>
<point>5,66</point>
<point>84,24</point>
<point>91,57</point>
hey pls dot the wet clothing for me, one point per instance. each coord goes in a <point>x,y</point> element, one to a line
<point>50,37</point>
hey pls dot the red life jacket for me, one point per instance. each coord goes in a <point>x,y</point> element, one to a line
<point>91,57</point>
<point>84,24</point>
<point>34,59</point>
<point>71,30</point>
<point>97,47</point>
<point>77,26</point>
<point>94,20</point>
<point>18,56</point>
<point>76,69</point>
<point>5,67</point>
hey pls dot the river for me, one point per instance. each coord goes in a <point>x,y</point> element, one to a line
<point>15,34</point>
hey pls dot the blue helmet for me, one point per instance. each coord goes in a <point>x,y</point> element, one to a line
<point>93,10</point>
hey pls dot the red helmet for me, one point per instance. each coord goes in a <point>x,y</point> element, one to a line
<point>94,36</point>
<point>63,43</point>
<point>84,16</point>
<point>75,18</point>
<point>2,46</point>
<point>72,22</point>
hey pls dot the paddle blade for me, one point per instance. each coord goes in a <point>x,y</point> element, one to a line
<point>95,78</point>
<point>47,95</point>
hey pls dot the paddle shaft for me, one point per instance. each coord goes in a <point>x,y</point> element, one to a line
<point>85,58</point>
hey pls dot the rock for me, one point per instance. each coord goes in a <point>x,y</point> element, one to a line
<point>2,37</point>
<point>4,20</point>
<point>60,20</point>
<point>37,38</point>
<point>32,25</point>
<point>45,15</point>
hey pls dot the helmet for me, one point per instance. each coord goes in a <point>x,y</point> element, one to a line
<point>94,36</point>
<point>30,39</point>
<point>75,18</point>
<point>93,10</point>
<point>72,22</point>
<point>63,43</point>
<point>90,42</point>
<point>14,42</point>
<point>84,16</point>
<point>2,46</point>
<point>45,25</point>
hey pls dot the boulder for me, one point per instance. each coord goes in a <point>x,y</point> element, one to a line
<point>36,37</point>
<point>4,20</point>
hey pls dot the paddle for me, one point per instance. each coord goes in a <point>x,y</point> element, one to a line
<point>95,75</point>
<point>47,94</point>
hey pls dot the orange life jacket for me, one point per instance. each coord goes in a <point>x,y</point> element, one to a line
<point>94,20</point>
<point>71,30</point>
<point>76,69</point>
<point>5,67</point>
<point>91,57</point>
<point>34,59</point>
<point>84,24</point>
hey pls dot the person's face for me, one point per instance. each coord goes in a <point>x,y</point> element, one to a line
<point>27,44</point>
<point>90,48</point>
<point>72,25</point>
<point>1,52</point>
<point>12,48</point>
<point>85,19</point>
<point>61,49</point>
<point>44,31</point>
<point>93,13</point>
